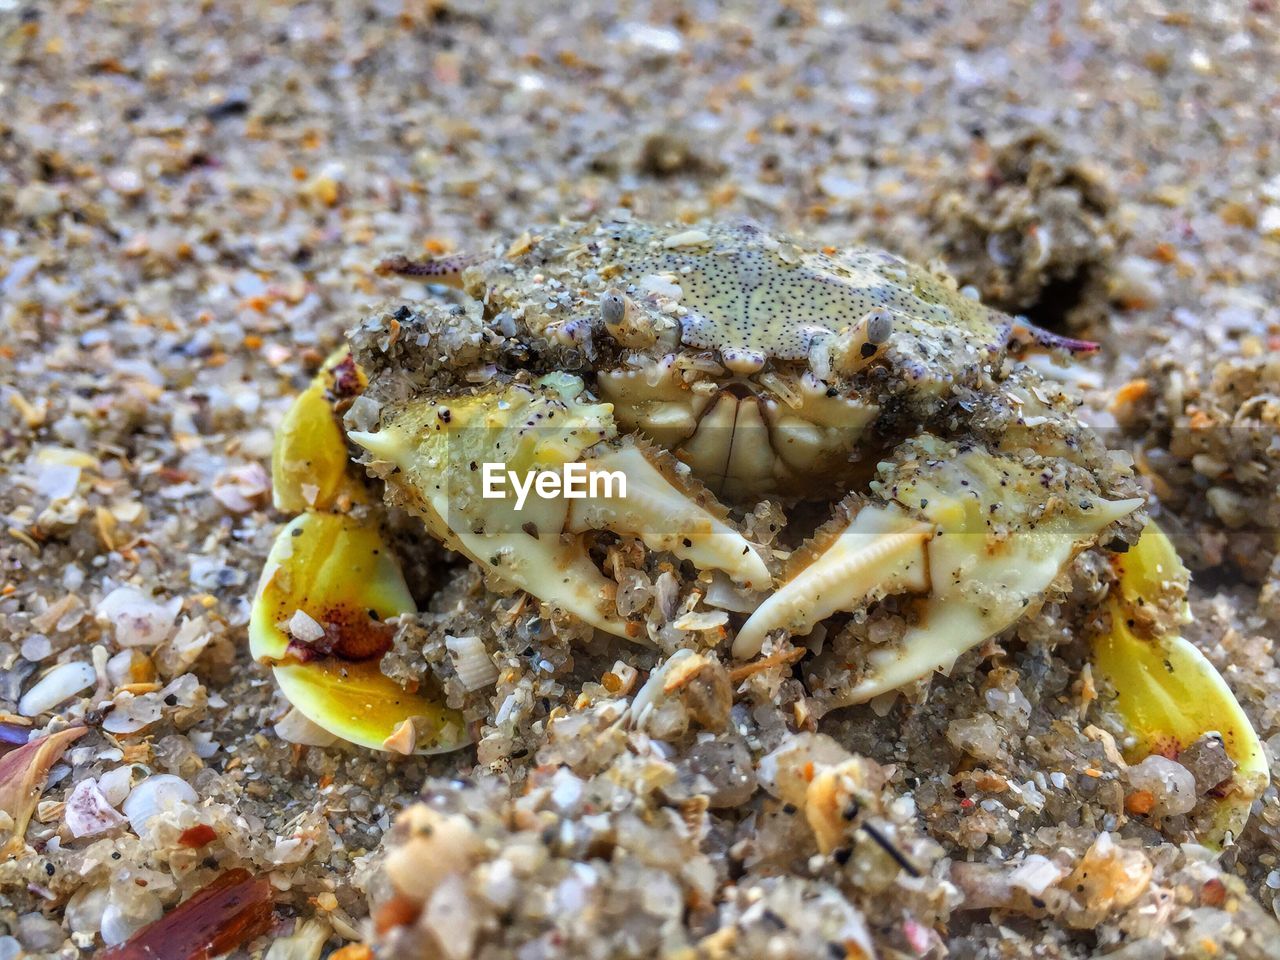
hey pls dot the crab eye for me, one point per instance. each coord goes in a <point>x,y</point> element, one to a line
<point>613,308</point>
<point>626,324</point>
<point>879,326</point>
<point>853,348</point>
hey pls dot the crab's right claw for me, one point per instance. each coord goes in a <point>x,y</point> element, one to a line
<point>444,452</point>
<point>1165,692</point>
<point>663,511</point>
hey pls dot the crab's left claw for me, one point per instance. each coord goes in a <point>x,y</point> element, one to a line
<point>309,465</point>
<point>1000,540</point>
<point>882,551</point>
<point>1163,689</point>
<point>979,534</point>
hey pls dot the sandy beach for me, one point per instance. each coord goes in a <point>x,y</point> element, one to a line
<point>194,200</point>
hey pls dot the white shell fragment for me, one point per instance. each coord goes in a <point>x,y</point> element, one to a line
<point>116,783</point>
<point>131,714</point>
<point>138,620</point>
<point>57,686</point>
<point>119,923</point>
<point>1036,874</point>
<point>296,728</point>
<point>303,628</point>
<point>472,661</point>
<point>688,238</point>
<point>156,795</point>
<point>305,943</point>
<point>88,811</point>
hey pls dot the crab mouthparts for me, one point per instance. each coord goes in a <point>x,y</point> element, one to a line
<point>731,449</point>
<point>744,439</point>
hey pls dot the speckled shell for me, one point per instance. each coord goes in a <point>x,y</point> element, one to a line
<point>748,294</point>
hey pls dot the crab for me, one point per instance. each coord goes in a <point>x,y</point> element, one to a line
<point>932,476</point>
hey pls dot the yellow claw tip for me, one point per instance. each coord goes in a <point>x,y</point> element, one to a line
<point>338,573</point>
<point>309,457</point>
<point>1166,692</point>
<point>356,702</point>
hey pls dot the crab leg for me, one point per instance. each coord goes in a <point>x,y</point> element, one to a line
<point>440,450</point>
<point>1164,691</point>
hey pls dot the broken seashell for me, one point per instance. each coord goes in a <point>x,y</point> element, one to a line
<point>234,909</point>
<point>472,661</point>
<point>57,686</point>
<point>296,728</point>
<point>22,777</point>
<point>158,794</point>
<point>88,812</point>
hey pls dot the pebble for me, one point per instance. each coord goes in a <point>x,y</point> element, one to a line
<point>38,933</point>
<point>36,647</point>
<point>139,621</point>
<point>1169,782</point>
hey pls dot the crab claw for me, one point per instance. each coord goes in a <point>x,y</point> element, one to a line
<point>1001,538</point>
<point>329,585</point>
<point>444,452</point>
<point>309,465</point>
<point>1166,693</point>
<point>881,552</point>
<point>319,618</point>
<point>980,534</point>
<point>663,511</point>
